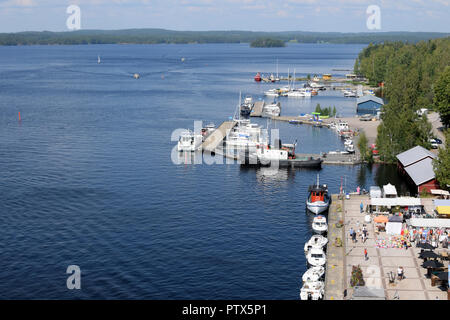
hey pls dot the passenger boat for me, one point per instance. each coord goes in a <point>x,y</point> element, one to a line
<point>314,290</point>
<point>189,141</point>
<point>313,274</point>
<point>316,257</point>
<point>317,241</point>
<point>258,77</point>
<point>319,224</point>
<point>318,199</point>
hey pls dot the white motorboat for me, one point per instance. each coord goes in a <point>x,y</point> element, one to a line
<point>317,241</point>
<point>319,224</point>
<point>341,126</point>
<point>208,129</point>
<point>189,141</point>
<point>312,290</point>
<point>350,148</point>
<point>313,274</point>
<point>349,93</point>
<point>272,110</point>
<point>246,135</point>
<point>316,257</point>
<point>272,93</point>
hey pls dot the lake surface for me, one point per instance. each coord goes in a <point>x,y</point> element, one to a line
<point>86,176</point>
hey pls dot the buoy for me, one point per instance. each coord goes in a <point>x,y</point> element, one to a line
<point>19,115</point>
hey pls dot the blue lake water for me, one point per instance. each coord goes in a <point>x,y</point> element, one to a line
<point>86,176</point>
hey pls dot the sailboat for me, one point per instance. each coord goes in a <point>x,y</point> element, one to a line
<point>98,60</point>
<point>277,77</point>
<point>318,198</point>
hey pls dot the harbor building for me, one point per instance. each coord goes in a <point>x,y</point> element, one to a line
<point>369,103</point>
<point>326,76</point>
<point>417,165</point>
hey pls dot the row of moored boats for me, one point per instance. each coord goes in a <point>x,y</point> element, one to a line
<point>313,280</point>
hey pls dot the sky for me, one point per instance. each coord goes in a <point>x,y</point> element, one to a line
<point>252,15</point>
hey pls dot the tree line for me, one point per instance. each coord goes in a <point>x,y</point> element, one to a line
<point>159,36</point>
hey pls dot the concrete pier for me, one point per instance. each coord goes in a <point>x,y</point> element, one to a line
<point>257,109</point>
<point>380,262</point>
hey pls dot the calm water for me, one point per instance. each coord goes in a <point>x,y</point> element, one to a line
<point>86,177</point>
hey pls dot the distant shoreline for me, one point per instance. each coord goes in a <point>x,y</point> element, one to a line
<point>161,36</point>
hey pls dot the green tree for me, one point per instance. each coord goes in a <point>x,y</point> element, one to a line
<point>441,164</point>
<point>442,96</point>
<point>363,148</point>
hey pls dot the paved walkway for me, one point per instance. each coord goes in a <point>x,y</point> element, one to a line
<point>382,261</point>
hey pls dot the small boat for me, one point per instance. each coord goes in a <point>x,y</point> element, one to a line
<point>313,274</point>
<point>349,93</point>
<point>314,290</point>
<point>350,148</point>
<point>319,224</point>
<point>318,199</point>
<point>136,76</point>
<point>294,121</point>
<point>258,77</point>
<point>348,142</point>
<point>208,129</point>
<point>189,141</point>
<point>98,60</point>
<point>272,93</point>
<point>272,77</point>
<point>316,257</point>
<point>317,241</point>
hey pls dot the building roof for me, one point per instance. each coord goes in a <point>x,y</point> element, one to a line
<point>369,98</point>
<point>421,171</point>
<point>413,155</point>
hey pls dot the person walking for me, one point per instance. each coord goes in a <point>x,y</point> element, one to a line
<point>366,257</point>
<point>361,207</point>
<point>351,233</point>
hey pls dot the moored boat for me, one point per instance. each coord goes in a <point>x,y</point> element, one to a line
<point>319,224</point>
<point>316,257</point>
<point>313,274</point>
<point>189,141</point>
<point>312,290</point>
<point>317,241</point>
<point>258,77</point>
<point>318,199</point>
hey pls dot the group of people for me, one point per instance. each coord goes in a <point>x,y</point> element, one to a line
<point>362,233</point>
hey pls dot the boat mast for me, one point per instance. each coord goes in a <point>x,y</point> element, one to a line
<point>277,69</point>
<point>293,82</point>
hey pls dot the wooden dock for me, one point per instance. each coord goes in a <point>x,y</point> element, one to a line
<point>257,109</point>
<point>214,141</point>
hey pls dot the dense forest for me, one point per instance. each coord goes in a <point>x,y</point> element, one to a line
<point>415,76</point>
<point>267,43</point>
<point>155,36</point>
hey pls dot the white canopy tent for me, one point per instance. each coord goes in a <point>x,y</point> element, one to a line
<point>389,191</point>
<point>393,202</point>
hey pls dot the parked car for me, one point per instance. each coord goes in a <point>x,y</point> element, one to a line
<point>434,144</point>
<point>438,141</point>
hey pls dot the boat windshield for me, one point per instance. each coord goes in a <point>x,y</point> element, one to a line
<point>316,255</point>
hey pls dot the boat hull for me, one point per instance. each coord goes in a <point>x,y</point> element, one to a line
<point>289,163</point>
<point>317,207</point>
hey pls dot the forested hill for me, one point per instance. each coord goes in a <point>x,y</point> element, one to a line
<point>415,76</point>
<point>154,36</point>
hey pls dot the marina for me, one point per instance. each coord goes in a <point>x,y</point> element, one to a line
<point>99,154</point>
